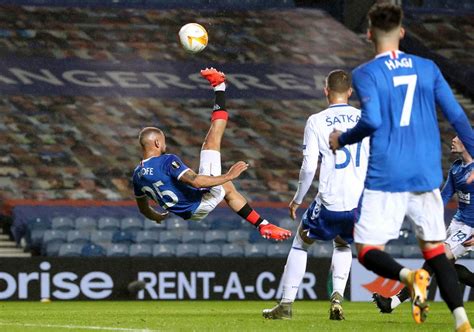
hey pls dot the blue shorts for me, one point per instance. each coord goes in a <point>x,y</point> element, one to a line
<point>325,225</point>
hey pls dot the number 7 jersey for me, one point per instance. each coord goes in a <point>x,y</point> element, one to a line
<point>158,179</point>
<point>398,94</point>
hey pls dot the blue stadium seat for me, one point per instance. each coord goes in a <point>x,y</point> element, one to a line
<point>52,249</point>
<point>256,237</point>
<point>394,250</point>
<point>78,236</point>
<point>39,223</point>
<point>62,223</point>
<point>131,224</point>
<point>70,250</point>
<point>202,225</point>
<point>147,237</point>
<point>54,236</point>
<point>36,237</point>
<point>170,237</point>
<point>209,250</point>
<point>122,237</point>
<point>86,223</point>
<point>141,250</point>
<point>232,250</point>
<point>176,223</point>
<point>226,223</point>
<point>151,225</point>
<point>164,250</point>
<point>278,250</point>
<point>101,236</point>
<point>238,236</point>
<point>117,250</point>
<point>93,250</point>
<point>187,250</point>
<point>108,224</point>
<point>322,249</point>
<point>255,250</point>
<point>411,251</point>
<point>215,237</point>
<point>192,237</point>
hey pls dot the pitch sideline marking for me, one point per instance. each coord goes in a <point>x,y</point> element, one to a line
<point>83,327</point>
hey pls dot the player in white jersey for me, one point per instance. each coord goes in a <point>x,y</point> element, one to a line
<point>332,214</point>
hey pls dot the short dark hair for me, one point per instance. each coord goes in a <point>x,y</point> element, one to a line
<point>385,16</point>
<point>146,133</point>
<point>338,81</point>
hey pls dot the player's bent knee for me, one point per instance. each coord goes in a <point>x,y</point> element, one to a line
<point>301,240</point>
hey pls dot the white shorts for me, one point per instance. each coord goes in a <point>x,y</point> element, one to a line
<point>382,214</point>
<point>458,233</point>
<point>210,164</point>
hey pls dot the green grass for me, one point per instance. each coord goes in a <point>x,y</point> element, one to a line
<point>212,315</point>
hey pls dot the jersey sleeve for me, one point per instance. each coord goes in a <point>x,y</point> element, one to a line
<point>448,189</point>
<point>174,167</point>
<point>137,188</point>
<point>371,117</point>
<point>453,111</point>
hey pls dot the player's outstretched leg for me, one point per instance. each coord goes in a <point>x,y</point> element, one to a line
<point>239,204</point>
<point>292,276</point>
<point>219,114</point>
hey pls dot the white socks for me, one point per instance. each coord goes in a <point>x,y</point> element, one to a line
<point>340,267</point>
<point>220,87</point>
<point>395,302</point>
<point>460,316</point>
<point>295,269</point>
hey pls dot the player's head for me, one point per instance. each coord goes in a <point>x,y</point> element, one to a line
<point>338,87</point>
<point>457,146</point>
<point>385,23</point>
<point>152,138</point>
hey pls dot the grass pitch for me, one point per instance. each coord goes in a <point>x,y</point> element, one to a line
<point>210,315</point>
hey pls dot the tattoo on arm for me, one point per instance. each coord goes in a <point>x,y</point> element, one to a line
<point>188,177</point>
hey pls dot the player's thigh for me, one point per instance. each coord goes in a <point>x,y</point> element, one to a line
<point>208,203</point>
<point>381,215</point>
<point>457,233</point>
<point>210,163</point>
<point>426,212</point>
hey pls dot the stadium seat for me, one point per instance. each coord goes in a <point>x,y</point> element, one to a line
<point>238,236</point>
<point>108,224</point>
<point>142,250</point>
<point>151,224</point>
<point>209,250</point>
<point>62,223</point>
<point>70,250</point>
<point>232,250</point>
<point>122,237</point>
<point>36,237</point>
<point>411,251</point>
<point>54,236</point>
<point>215,237</point>
<point>131,224</point>
<point>164,250</point>
<point>202,225</point>
<point>256,237</point>
<point>187,250</point>
<point>394,250</point>
<point>170,237</point>
<point>39,223</point>
<point>192,237</point>
<point>226,223</point>
<point>322,249</point>
<point>93,250</point>
<point>147,237</point>
<point>101,236</point>
<point>85,223</point>
<point>117,249</point>
<point>176,223</point>
<point>255,250</point>
<point>78,236</point>
<point>278,250</point>
<point>52,249</point>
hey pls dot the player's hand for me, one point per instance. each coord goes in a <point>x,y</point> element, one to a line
<point>293,207</point>
<point>237,169</point>
<point>334,140</point>
<point>159,217</point>
<point>469,242</point>
<point>470,179</point>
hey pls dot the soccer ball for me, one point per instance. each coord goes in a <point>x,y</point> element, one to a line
<point>193,37</point>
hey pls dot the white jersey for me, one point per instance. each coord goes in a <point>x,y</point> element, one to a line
<point>342,176</point>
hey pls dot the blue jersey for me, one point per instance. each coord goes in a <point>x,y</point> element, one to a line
<point>456,183</point>
<point>398,94</point>
<point>158,179</point>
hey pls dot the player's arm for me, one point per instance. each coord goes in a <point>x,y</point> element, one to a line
<point>448,189</point>
<point>370,118</point>
<point>148,211</point>
<point>308,167</point>
<point>453,111</point>
<point>204,181</point>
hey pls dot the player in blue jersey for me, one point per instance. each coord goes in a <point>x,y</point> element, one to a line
<point>399,93</point>
<point>459,240</point>
<point>166,180</point>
